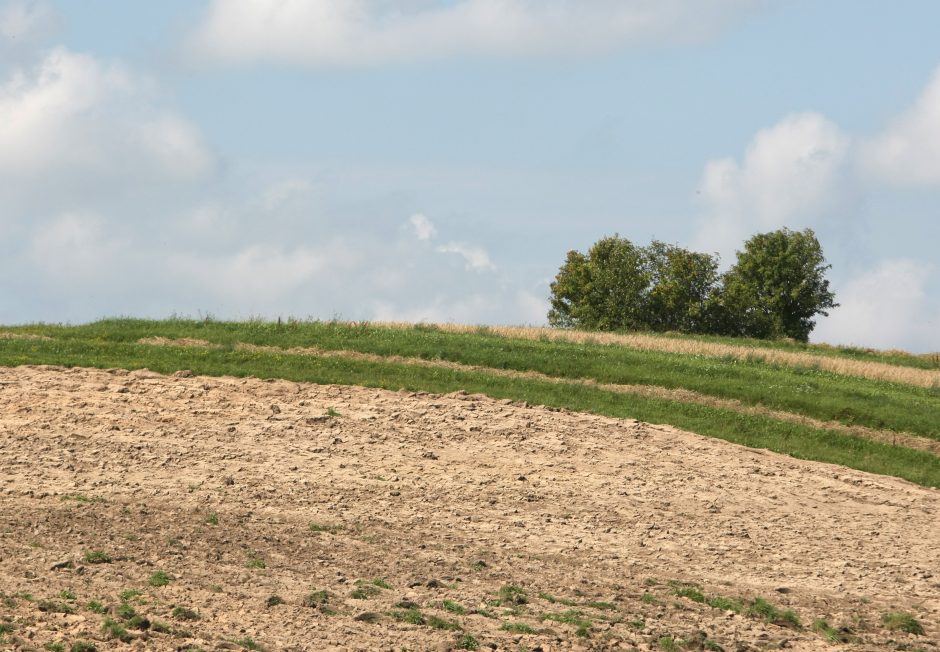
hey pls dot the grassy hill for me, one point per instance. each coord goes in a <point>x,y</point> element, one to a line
<point>869,410</point>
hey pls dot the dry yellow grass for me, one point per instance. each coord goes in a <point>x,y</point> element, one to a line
<point>183,341</point>
<point>844,366</point>
<point>682,395</point>
<point>6,335</point>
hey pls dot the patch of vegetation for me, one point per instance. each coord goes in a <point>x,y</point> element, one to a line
<point>322,527</point>
<point>159,578</point>
<point>332,413</point>
<point>54,647</point>
<point>212,519</point>
<point>273,601</point>
<point>467,642</point>
<point>725,603</point>
<point>453,607</point>
<point>439,623</point>
<point>761,608</point>
<point>833,635</point>
<point>571,617</point>
<point>365,592</point>
<point>512,594</point>
<point>50,606</point>
<point>83,646</point>
<point>247,643</point>
<point>690,591</point>
<point>669,644</point>
<point>548,597</point>
<point>6,628</point>
<point>96,606</point>
<point>381,583</point>
<point>410,616</point>
<point>648,598</point>
<point>602,606</point>
<point>319,600</point>
<point>130,594</point>
<point>82,498</point>
<point>478,565</point>
<point>903,622</point>
<point>116,631</point>
<point>160,627</point>
<point>97,557</point>
<point>255,561</point>
<point>517,628</point>
<point>185,613</point>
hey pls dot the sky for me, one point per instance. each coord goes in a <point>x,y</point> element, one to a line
<point>434,160</point>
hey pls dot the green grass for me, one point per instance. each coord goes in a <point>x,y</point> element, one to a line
<point>255,562</point>
<point>761,608</point>
<point>159,578</point>
<point>185,613</point>
<point>511,594</point>
<point>453,607</point>
<point>365,592</point>
<point>83,646</point>
<point>689,591</point>
<point>902,621</point>
<point>517,628</point>
<point>725,603</point>
<point>806,391</point>
<point>97,557</point>
<point>410,616</point>
<point>439,623</point>
<point>467,642</point>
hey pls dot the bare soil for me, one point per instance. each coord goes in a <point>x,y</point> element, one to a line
<point>217,481</point>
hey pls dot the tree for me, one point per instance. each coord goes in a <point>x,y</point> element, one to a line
<point>603,290</point>
<point>681,284</point>
<point>619,286</point>
<point>776,288</point>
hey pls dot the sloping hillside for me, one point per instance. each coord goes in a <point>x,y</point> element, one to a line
<point>184,512</point>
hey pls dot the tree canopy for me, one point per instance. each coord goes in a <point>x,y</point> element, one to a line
<point>775,289</point>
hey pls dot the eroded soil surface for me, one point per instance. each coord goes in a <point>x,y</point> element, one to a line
<point>290,516</point>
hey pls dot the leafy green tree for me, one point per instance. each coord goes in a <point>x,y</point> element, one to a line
<point>603,290</point>
<point>681,284</point>
<point>619,286</point>
<point>776,288</point>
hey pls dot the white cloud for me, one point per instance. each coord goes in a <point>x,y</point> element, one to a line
<point>887,307</point>
<point>257,274</point>
<point>476,258</point>
<point>74,249</point>
<point>423,227</point>
<point>369,32</point>
<point>82,119</point>
<point>485,306</point>
<point>22,22</point>
<point>907,153</point>
<point>792,174</point>
<point>282,193</point>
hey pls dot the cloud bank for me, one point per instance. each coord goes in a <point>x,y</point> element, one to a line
<point>328,33</point>
<point>805,171</point>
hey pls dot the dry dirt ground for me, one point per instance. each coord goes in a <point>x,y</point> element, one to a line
<point>268,515</point>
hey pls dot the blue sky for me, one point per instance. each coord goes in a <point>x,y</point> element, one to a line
<point>428,160</point>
